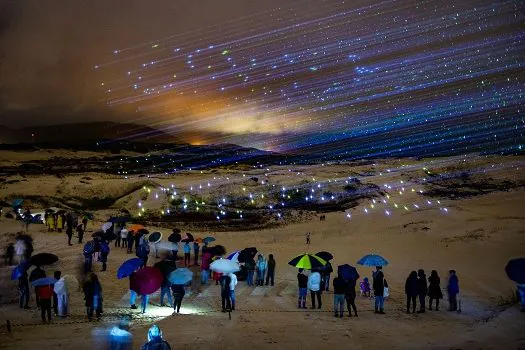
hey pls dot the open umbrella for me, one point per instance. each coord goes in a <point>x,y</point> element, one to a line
<point>43,281</point>
<point>348,272</point>
<point>19,270</point>
<point>325,256</point>
<point>174,237</point>
<point>188,237</point>
<point>234,256</point>
<point>198,240</point>
<point>119,219</point>
<point>247,254</point>
<point>17,202</point>
<point>89,247</point>
<point>372,260</point>
<point>155,237</point>
<point>125,211</point>
<point>42,259</point>
<point>143,232</point>
<point>307,261</point>
<point>98,233</point>
<point>180,276</point>
<point>106,226</point>
<point>208,240</point>
<point>515,270</point>
<point>128,267</point>
<point>135,227</point>
<point>146,281</point>
<point>224,266</point>
<point>166,267</point>
<point>217,250</point>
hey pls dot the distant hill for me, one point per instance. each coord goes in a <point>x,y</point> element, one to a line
<point>82,132</point>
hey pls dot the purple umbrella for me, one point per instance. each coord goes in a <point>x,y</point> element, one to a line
<point>146,281</point>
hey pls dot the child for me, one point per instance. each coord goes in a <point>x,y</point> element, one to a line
<point>453,290</point>
<point>45,294</point>
<point>364,285</point>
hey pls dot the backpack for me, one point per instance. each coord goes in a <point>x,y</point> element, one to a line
<point>225,283</point>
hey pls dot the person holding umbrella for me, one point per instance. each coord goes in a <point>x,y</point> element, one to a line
<point>178,279</point>
<point>314,285</point>
<point>93,296</point>
<point>225,292</point>
<point>143,253</point>
<point>36,274</point>
<point>379,284</point>
<point>205,266</point>
<point>350,276</point>
<point>23,289</point>
<point>233,283</point>
<point>45,294</point>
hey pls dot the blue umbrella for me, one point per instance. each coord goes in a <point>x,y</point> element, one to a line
<point>128,267</point>
<point>372,260</point>
<point>208,240</point>
<point>180,276</point>
<point>43,281</point>
<point>515,270</point>
<point>19,270</point>
<point>17,202</point>
<point>348,272</point>
<point>89,247</point>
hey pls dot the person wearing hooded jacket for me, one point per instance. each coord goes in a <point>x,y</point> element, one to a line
<point>411,285</point>
<point>155,341</point>
<point>314,285</point>
<point>379,284</point>
<point>261,270</point>
<point>233,283</point>
<point>434,289</point>
<point>422,290</point>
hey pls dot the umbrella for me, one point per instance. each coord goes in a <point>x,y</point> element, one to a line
<point>188,237</point>
<point>515,270</point>
<point>51,210</point>
<point>128,267</point>
<point>208,240</point>
<point>19,270</point>
<point>348,272</point>
<point>372,260</point>
<point>180,276</point>
<point>106,226</point>
<point>174,237</point>
<point>166,267</point>
<point>43,281</point>
<point>198,240</point>
<point>155,237</point>
<point>135,228</point>
<point>119,219</point>
<point>146,281</point>
<point>224,266</point>
<point>325,256</point>
<point>89,247</point>
<point>234,256</point>
<point>98,233</point>
<point>43,259</point>
<point>125,211</point>
<point>217,250</point>
<point>109,236</point>
<point>247,254</point>
<point>143,232</point>
<point>17,202</point>
<point>307,261</point>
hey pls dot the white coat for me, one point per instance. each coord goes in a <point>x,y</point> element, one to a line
<point>233,281</point>
<point>314,281</point>
<point>62,296</point>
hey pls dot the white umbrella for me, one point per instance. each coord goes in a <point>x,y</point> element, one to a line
<point>106,226</point>
<point>224,266</point>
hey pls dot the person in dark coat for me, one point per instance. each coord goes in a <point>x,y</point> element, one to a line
<point>434,289</point>
<point>453,290</point>
<point>69,228</point>
<point>379,284</point>
<point>196,253</point>
<point>56,275</point>
<point>155,341</point>
<point>93,296</point>
<point>340,289</point>
<point>422,290</point>
<point>23,289</point>
<point>178,295</point>
<point>270,275</point>
<point>104,252</point>
<point>80,233</point>
<point>9,254</point>
<point>37,273</point>
<point>350,295</point>
<point>130,242</point>
<point>302,281</point>
<point>143,253</point>
<point>225,292</point>
<point>411,291</point>
<point>325,275</point>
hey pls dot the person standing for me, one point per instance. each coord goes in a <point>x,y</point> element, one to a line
<point>302,282</point>
<point>178,294</point>
<point>250,269</point>
<point>93,296</point>
<point>45,294</point>
<point>520,289</point>
<point>9,254</point>
<point>60,222</point>
<point>325,275</point>
<point>50,223</point>
<point>411,291</point>
<point>104,252</point>
<point>261,270</point>
<point>308,238</point>
<point>434,289</point>
<point>20,249</point>
<point>314,285</point>
<point>155,341</point>
<point>350,294</point>
<point>124,237</point>
<point>196,253</point>
<point>84,222</point>
<point>270,275</point>
<point>69,228</point>
<point>205,266</point>
<point>56,276</point>
<point>175,251</point>
<point>88,259</point>
<point>143,253</point>
<point>453,290</point>
<point>422,290</point>
<point>27,219</point>
<point>379,284</point>
<point>62,295</point>
<point>23,289</point>
<point>233,283</point>
<point>80,233</point>
<point>165,290</point>
<point>118,236</point>
<point>340,288</point>
<point>187,251</point>
<point>225,293</point>
<point>36,274</point>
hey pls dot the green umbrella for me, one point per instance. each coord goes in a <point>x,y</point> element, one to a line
<point>307,261</point>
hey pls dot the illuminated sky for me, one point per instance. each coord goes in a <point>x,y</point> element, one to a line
<point>385,76</point>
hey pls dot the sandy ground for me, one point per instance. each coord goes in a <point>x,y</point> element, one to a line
<point>475,236</point>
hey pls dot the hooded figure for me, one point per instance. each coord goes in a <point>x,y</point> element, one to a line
<point>411,291</point>
<point>119,336</point>
<point>422,289</point>
<point>155,341</point>
<point>261,270</point>
<point>62,294</point>
<point>434,289</point>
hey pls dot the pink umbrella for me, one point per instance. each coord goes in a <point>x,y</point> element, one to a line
<point>146,280</point>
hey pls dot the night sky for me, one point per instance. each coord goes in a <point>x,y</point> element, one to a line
<point>387,76</point>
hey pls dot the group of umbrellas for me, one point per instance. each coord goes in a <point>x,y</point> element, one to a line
<point>41,259</point>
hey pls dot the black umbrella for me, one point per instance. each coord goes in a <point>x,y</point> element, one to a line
<point>42,259</point>
<point>515,270</point>
<point>166,267</point>
<point>98,233</point>
<point>325,256</point>
<point>125,211</point>
<point>109,235</point>
<point>217,250</point>
<point>247,254</point>
<point>155,237</point>
<point>143,231</point>
<point>174,237</point>
<point>188,238</point>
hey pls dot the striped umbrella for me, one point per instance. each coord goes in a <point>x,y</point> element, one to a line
<point>307,261</point>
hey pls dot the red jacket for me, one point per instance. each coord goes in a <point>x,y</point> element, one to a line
<point>45,292</point>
